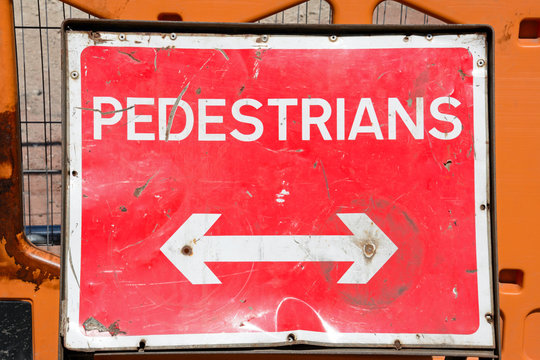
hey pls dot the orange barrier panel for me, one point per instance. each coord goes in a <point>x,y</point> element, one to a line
<point>26,272</point>
<point>517,84</point>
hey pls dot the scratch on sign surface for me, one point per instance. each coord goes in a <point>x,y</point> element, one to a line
<point>325,180</point>
<point>130,55</point>
<point>73,269</point>
<point>463,74</point>
<point>223,53</point>
<point>173,112</point>
<point>106,112</point>
<point>138,191</point>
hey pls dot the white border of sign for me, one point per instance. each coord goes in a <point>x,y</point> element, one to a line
<point>74,335</point>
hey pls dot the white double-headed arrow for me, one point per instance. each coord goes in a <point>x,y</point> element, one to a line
<point>189,248</point>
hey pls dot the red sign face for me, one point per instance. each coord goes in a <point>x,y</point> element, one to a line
<point>248,190</point>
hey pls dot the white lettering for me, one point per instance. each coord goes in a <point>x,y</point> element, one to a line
<point>314,112</point>
<point>99,120</point>
<point>164,119</point>
<point>257,124</point>
<point>395,107</point>
<point>282,114</point>
<point>434,109</point>
<point>207,119</point>
<point>357,128</point>
<point>308,120</point>
<point>340,119</point>
<point>133,119</point>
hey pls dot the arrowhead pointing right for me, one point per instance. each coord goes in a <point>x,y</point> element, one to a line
<point>192,265</point>
<point>364,268</point>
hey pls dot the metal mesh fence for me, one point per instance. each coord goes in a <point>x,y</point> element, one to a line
<point>37,32</point>
<point>392,12</point>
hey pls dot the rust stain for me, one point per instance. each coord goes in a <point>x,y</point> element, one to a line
<point>96,38</point>
<point>21,260</point>
<point>368,244</point>
<point>18,258</point>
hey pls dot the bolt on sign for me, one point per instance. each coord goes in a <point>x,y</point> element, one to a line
<point>251,186</point>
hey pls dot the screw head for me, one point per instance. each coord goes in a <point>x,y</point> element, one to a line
<point>187,250</point>
<point>173,36</point>
<point>74,75</point>
<point>264,38</point>
<point>333,38</point>
<point>481,62</point>
<point>122,37</point>
<point>406,39</point>
<point>429,37</point>
<point>369,250</point>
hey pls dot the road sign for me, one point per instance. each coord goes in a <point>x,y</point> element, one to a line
<point>267,189</point>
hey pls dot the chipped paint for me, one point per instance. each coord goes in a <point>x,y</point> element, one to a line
<point>91,324</point>
<point>280,197</point>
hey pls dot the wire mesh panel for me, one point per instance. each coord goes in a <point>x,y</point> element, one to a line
<point>391,12</point>
<point>309,12</point>
<point>37,31</point>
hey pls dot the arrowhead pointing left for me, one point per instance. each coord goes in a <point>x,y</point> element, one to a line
<point>192,266</point>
